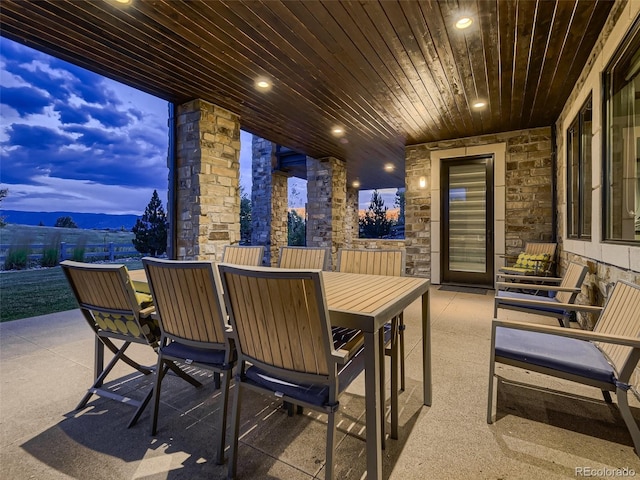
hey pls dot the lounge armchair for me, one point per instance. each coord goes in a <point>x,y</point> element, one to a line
<point>114,311</point>
<point>559,306</point>
<point>243,255</point>
<point>285,346</point>
<point>605,358</point>
<point>537,259</point>
<point>304,257</point>
<point>391,263</point>
<point>193,326</point>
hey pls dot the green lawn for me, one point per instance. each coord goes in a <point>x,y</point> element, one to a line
<point>28,293</point>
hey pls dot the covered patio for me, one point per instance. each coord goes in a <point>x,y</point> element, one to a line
<point>545,429</point>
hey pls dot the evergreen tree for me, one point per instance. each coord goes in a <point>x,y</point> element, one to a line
<point>3,193</point>
<point>375,224</point>
<point>400,203</point>
<point>65,222</point>
<point>245,218</point>
<point>297,229</point>
<point>151,229</point>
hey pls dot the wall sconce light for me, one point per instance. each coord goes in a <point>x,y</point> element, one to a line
<point>423,182</point>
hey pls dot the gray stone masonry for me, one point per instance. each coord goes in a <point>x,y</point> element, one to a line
<point>528,192</point>
<point>326,203</point>
<point>208,199</point>
<point>268,201</point>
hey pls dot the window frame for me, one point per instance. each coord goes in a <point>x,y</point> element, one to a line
<point>623,46</point>
<point>584,192</point>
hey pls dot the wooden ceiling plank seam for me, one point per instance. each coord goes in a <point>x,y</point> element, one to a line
<point>506,33</point>
<point>489,26</point>
<point>397,78</point>
<point>326,79</point>
<point>459,52</point>
<point>302,121</point>
<point>530,49</point>
<point>436,26</point>
<point>533,109</point>
<point>401,34</point>
<point>522,38</point>
<point>414,15</point>
<point>322,31</point>
<point>582,53</point>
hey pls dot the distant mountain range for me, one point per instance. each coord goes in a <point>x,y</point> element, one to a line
<point>90,221</point>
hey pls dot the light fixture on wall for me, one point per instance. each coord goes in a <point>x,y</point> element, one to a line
<point>423,182</point>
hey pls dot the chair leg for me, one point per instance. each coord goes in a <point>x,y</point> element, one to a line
<point>140,408</point>
<point>99,380</point>
<point>235,427</point>
<point>132,363</point>
<point>223,417</point>
<point>331,446</point>
<point>184,375</point>
<point>161,370</point>
<point>625,411</point>
<point>492,365</point>
<point>394,381</point>
<point>401,329</point>
<point>607,396</point>
<point>382,393</point>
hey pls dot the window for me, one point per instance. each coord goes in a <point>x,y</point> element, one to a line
<point>579,174</point>
<point>622,142</point>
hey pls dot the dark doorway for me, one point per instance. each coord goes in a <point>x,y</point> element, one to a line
<point>467,221</point>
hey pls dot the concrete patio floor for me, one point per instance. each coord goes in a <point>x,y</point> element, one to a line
<point>546,428</point>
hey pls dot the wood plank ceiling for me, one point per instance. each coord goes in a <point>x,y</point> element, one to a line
<point>390,73</point>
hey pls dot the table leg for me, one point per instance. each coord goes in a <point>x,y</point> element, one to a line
<point>373,404</point>
<point>426,349</point>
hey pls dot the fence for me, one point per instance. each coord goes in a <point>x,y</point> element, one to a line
<point>90,251</point>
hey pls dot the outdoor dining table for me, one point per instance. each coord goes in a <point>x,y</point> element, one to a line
<point>367,302</point>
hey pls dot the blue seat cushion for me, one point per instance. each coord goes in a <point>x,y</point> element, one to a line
<point>215,358</point>
<point>310,393</point>
<point>568,355</point>
<point>549,302</point>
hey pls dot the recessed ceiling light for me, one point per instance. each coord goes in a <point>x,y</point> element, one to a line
<point>355,184</point>
<point>479,104</point>
<point>123,2</point>
<point>464,22</point>
<point>337,131</point>
<point>263,84</point>
<point>389,167</point>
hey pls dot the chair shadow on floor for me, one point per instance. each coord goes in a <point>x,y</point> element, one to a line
<point>565,414</point>
<point>95,443</point>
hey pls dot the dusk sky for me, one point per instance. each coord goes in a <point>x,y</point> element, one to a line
<point>72,140</point>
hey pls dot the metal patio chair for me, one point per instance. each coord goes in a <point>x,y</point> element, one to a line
<point>193,327</point>
<point>243,255</point>
<point>114,311</point>
<point>285,347</point>
<point>559,306</point>
<point>605,358</point>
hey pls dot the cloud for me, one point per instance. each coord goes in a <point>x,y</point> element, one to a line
<point>67,132</point>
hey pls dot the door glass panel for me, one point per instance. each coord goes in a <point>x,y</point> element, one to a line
<point>467,218</point>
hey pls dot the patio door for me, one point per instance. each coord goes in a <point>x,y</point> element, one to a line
<point>467,221</point>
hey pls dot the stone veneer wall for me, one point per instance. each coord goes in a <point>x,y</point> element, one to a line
<point>208,166</point>
<point>351,227</point>
<point>528,205</point>
<point>326,203</point>
<point>268,201</point>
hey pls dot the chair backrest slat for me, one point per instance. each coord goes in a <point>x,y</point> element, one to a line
<point>540,248</point>
<point>101,287</point>
<point>303,257</point>
<point>187,299</point>
<point>621,316</point>
<point>573,278</point>
<point>372,262</point>
<point>243,255</point>
<point>279,317</point>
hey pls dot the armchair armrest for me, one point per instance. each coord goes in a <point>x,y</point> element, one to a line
<point>534,286</point>
<point>529,278</point>
<point>341,356</point>
<point>149,312</point>
<point>542,303</point>
<point>570,332</point>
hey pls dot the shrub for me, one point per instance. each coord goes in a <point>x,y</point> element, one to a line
<point>17,257</point>
<point>51,251</point>
<point>79,249</point>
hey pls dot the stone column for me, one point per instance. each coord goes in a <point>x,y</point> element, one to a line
<point>327,201</point>
<point>417,211</point>
<point>207,193</point>
<point>351,226</point>
<point>268,201</point>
